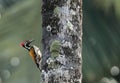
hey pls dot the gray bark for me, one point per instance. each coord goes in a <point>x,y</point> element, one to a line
<point>62,41</point>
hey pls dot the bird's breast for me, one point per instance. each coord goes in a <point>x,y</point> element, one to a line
<point>32,54</point>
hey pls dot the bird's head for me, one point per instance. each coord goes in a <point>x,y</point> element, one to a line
<point>26,44</point>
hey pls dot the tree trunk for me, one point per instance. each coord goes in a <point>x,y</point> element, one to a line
<point>62,41</point>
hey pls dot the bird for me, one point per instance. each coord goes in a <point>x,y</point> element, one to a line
<point>34,51</point>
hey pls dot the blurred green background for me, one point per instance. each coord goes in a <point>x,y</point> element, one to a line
<point>21,20</point>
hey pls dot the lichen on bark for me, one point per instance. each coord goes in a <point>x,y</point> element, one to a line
<point>62,41</point>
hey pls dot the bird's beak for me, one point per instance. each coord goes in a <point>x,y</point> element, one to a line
<point>30,41</point>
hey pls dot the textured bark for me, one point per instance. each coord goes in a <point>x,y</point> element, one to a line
<point>62,41</point>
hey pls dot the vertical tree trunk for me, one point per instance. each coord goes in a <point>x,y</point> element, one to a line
<point>62,41</point>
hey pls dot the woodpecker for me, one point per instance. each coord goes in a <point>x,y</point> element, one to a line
<point>34,51</point>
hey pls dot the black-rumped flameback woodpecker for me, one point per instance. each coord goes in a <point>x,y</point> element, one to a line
<point>34,51</point>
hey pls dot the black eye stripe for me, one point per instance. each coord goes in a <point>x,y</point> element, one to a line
<point>26,45</point>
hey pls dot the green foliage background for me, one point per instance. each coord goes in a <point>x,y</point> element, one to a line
<point>19,22</point>
<point>22,20</point>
